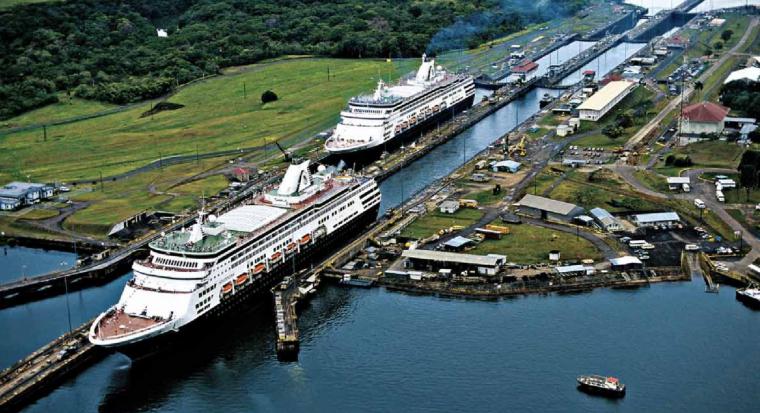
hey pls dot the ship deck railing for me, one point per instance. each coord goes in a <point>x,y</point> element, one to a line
<point>119,320</point>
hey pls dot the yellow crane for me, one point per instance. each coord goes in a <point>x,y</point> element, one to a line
<point>519,148</point>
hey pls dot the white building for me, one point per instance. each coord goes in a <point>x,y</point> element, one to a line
<point>704,118</point>
<point>657,218</point>
<point>449,207</point>
<point>751,73</point>
<point>676,183</point>
<point>601,102</point>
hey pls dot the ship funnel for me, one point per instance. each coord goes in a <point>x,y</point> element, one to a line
<point>296,179</point>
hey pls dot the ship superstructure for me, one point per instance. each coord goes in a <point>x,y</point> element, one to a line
<point>395,111</point>
<point>220,262</point>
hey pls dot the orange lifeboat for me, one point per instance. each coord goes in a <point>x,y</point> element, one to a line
<point>305,239</point>
<point>398,128</point>
<point>291,247</point>
<point>227,288</point>
<point>413,119</point>
<point>241,279</point>
<point>404,125</point>
<point>435,108</point>
<point>276,256</point>
<point>259,268</point>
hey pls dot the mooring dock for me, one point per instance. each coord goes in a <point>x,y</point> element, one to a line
<point>30,377</point>
<point>285,298</point>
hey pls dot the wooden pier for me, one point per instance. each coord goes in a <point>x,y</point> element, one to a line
<point>285,297</point>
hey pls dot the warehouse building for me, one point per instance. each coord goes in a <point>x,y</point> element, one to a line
<point>574,270</point>
<point>626,263</point>
<point>505,166</point>
<point>667,219</point>
<point>601,102</point>
<point>545,208</point>
<point>449,206</point>
<point>434,261</point>
<point>19,194</point>
<point>605,220</point>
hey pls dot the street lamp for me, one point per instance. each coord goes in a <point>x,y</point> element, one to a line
<point>64,265</point>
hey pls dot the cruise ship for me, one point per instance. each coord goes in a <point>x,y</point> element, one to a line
<point>231,261</point>
<point>397,112</point>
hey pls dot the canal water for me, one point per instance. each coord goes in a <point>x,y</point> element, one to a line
<point>19,262</point>
<point>676,348</point>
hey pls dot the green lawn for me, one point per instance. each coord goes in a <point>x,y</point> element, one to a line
<point>433,222</point>
<point>652,181</point>
<point>601,189</point>
<point>599,140</point>
<point>485,197</point>
<point>526,244</point>
<point>122,199</point>
<point>216,116</point>
<point>712,154</point>
<point>63,110</point>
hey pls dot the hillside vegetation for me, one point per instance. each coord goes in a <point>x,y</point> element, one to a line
<point>110,51</point>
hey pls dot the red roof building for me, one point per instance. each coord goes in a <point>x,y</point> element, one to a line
<point>705,112</point>
<point>703,118</point>
<point>525,67</point>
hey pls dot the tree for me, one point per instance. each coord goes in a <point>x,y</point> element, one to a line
<point>670,159</point>
<point>612,131</point>
<point>726,34</point>
<point>624,120</point>
<point>718,45</point>
<point>268,96</point>
<point>748,178</point>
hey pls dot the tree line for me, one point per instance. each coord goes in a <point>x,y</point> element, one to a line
<point>110,51</point>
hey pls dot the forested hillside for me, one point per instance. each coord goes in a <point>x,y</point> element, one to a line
<point>109,50</point>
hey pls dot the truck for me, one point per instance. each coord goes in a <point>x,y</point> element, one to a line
<point>719,196</point>
<point>699,203</point>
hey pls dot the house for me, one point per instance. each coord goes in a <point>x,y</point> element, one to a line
<point>18,194</point>
<point>449,206</point>
<point>241,174</point>
<point>667,219</point>
<point>679,183</point>
<point>601,102</point>
<point>703,118</point>
<point>507,165</point>
<point>524,72</point>
<point>545,208</point>
<point>606,220</point>
<point>563,130</point>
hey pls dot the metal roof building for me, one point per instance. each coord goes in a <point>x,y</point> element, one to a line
<point>507,165</point>
<point>625,261</point>
<point>546,208</point>
<point>574,270</point>
<point>601,102</point>
<point>457,243</point>
<point>656,218</point>
<point>436,260</point>
<point>18,194</point>
<point>605,220</point>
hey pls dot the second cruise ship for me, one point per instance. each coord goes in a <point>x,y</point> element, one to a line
<point>395,112</point>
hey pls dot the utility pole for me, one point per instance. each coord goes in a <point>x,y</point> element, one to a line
<point>101,181</point>
<point>245,95</point>
<point>44,133</point>
<point>66,293</point>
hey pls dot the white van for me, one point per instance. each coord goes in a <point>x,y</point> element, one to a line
<point>719,195</point>
<point>699,203</point>
<point>647,246</point>
<point>637,243</point>
<point>691,247</point>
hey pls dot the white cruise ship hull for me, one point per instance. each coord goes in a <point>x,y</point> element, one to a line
<point>373,148</point>
<point>141,346</point>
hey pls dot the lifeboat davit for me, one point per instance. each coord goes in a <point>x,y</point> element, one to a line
<point>305,239</point>
<point>259,268</point>
<point>227,288</point>
<point>241,279</point>
<point>276,256</point>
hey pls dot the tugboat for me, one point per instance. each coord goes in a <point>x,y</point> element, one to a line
<point>749,295</point>
<point>605,386</point>
<point>545,100</point>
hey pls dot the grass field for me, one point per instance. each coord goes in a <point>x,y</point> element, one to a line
<point>65,109</point>
<point>601,189</point>
<point>217,116</point>
<point>708,36</point>
<point>122,199</point>
<point>599,140</point>
<point>433,222</point>
<point>712,154</point>
<point>528,244</point>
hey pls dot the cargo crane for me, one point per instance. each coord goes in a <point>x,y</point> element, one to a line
<point>287,154</point>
